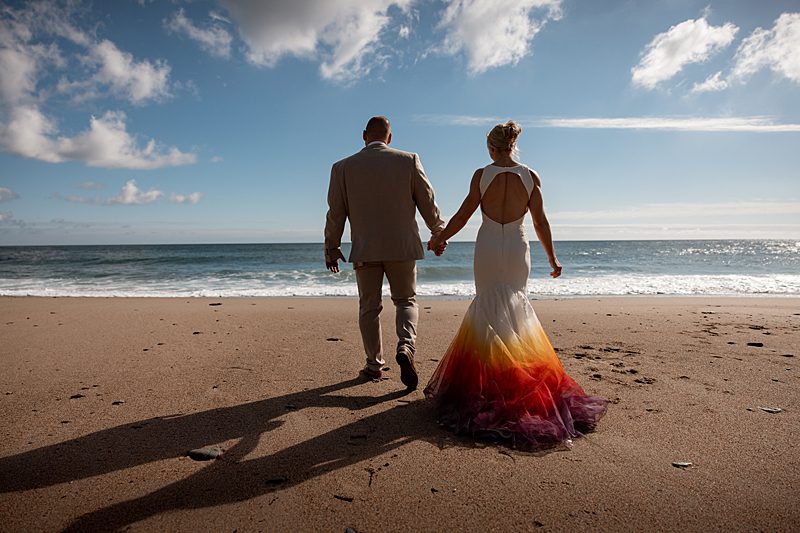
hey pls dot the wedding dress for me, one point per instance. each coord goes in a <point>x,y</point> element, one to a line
<point>500,377</point>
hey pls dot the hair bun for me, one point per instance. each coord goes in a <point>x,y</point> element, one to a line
<point>504,136</point>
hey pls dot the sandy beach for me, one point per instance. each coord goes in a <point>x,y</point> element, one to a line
<point>102,398</point>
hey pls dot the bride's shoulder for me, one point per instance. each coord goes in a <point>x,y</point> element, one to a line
<point>535,176</point>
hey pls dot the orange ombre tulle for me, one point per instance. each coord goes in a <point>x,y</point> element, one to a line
<point>501,378</point>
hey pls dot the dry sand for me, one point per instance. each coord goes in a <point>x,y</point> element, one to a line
<point>309,447</point>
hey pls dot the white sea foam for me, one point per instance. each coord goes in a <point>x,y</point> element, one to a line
<point>600,285</point>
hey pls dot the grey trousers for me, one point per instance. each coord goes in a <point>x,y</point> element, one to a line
<point>402,276</point>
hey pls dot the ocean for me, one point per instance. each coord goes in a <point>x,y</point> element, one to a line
<point>591,268</point>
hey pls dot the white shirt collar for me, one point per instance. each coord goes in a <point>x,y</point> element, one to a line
<point>376,142</point>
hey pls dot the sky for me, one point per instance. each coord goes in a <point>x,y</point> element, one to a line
<point>138,122</point>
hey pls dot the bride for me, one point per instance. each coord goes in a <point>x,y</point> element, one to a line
<point>500,377</point>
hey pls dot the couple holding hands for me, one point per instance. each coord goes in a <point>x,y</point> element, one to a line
<point>500,378</point>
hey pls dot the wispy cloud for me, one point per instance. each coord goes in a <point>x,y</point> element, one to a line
<point>7,194</point>
<point>691,41</point>
<point>91,185</point>
<point>753,124</point>
<point>130,195</point>
<point>672,211</point>
<point>214,39</point>
<point>776,49</point>
<point>713,83</point>
<point>192,198</point>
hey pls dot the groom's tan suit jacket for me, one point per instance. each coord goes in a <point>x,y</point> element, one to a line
<point>379,189</point>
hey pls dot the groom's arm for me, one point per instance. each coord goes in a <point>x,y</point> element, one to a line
<point>424,198</point>
<point>334,221</point>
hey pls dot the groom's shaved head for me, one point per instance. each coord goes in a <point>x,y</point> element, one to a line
<point>378,129</point>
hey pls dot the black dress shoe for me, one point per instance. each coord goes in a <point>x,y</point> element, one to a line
<point>408,372</point>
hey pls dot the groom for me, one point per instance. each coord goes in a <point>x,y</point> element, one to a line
<point>380,189</point>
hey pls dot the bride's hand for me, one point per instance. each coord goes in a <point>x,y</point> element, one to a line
<point>556,266</point>
<point>436,245</point>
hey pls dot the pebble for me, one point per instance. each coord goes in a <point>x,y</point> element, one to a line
<point>333,339</point>
<point>214,304</point>
<point>771,410</point>
<point>206,453</point>
<point>681,464</point>
<point>756,344</point>
<point>117,402</point>
<point>787,355</point>
<point>76,396</point>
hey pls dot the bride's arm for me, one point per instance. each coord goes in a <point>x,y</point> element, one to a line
<point>542,225</point>
<point>462,216</point>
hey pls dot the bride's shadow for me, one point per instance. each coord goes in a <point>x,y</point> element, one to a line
<point>231,478</point>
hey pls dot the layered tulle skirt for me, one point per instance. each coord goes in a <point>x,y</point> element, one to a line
<point>501,379</point>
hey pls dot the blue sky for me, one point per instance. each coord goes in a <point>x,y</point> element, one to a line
<point>183,122</point>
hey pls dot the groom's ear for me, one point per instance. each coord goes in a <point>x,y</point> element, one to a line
<point>364,135</point>
<point>389,140</point>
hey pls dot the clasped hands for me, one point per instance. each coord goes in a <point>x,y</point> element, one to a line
<point>437,245</point>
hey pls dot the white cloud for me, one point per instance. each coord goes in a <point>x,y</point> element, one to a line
<point>342,34</point>
<point>27,45</point>
<point>494,33</point>
<point>192,198</point>
<point>91,186</point>
<point>691,41</point>
<point>712,84</point>
<point>673,211</point>
<point>711,124</point>
<point>216,159</point>
<point>404,32</point>
<point>755,124</point>
<point>778,49</point>
<point>106,143</point>
<point>5,216</point>
<point>214,39</point>
<point>138,81</point>
<point>130,195</point>
<point>7,194</point>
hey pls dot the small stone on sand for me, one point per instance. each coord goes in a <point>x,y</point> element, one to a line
<point>681,464</point>
<point>756,344</point>
<point>205,454</point>
<point>771,410</point>
<point>117,402</point>
<point>333,339</point>
<point>76,396</point>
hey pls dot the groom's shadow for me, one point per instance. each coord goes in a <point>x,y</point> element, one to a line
<point>229,479</point>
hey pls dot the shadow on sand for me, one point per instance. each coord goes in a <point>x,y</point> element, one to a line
<point>229,479</point>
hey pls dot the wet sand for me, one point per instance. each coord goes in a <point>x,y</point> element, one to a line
<point>101,399</point>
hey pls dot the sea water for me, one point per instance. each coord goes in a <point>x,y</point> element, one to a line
<point>707,267</point>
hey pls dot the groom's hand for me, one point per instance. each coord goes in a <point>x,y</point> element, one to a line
<point>333,266</point>
<point>437,247</point>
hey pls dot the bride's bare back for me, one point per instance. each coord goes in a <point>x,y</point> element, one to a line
<point>506,199</point>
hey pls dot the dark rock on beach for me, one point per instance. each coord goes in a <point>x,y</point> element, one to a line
<point>206,453</point>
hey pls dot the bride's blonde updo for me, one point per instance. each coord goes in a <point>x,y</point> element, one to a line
<point>503,137</point>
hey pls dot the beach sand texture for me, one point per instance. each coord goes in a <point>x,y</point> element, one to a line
<point>101,399</point>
